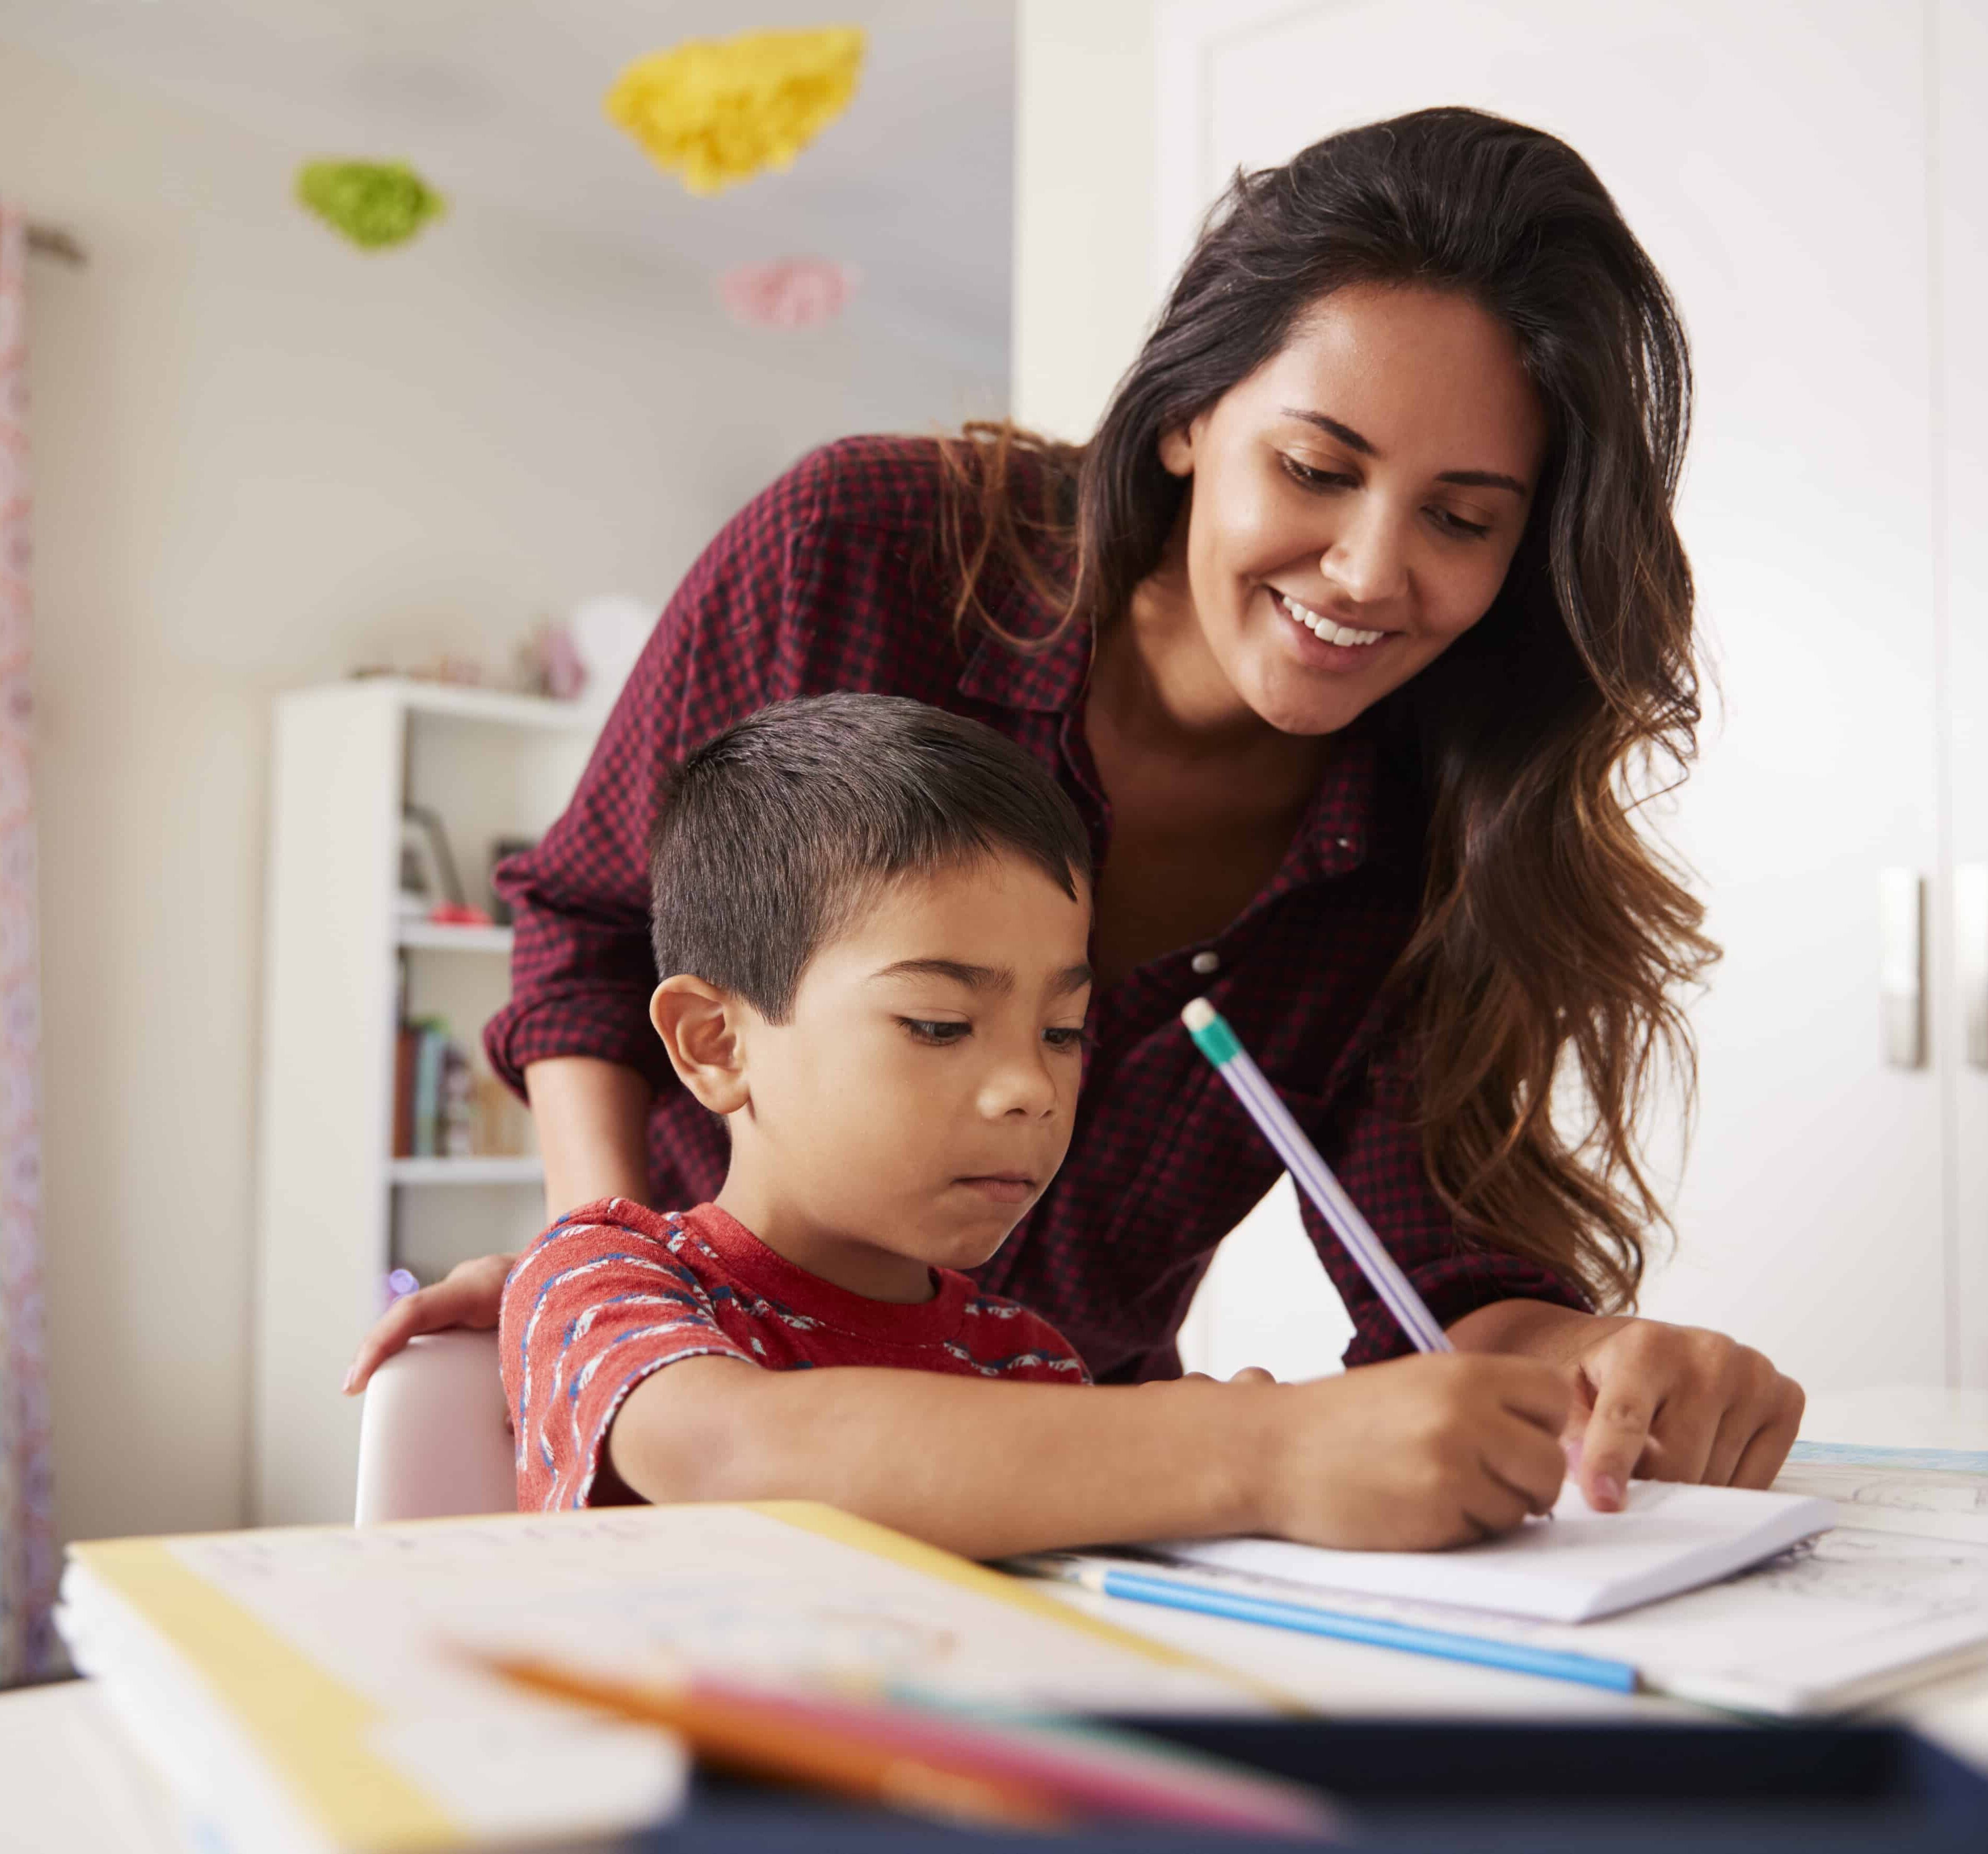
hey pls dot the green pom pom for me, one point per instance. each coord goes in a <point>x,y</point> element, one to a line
<point>375,203</point>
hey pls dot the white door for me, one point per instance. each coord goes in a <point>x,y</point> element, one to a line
<point>1959,56</point>
<point>1774,159</point>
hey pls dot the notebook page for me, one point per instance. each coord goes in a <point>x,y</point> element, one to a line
<point>756,1591</point>
<point>1578,1565</point>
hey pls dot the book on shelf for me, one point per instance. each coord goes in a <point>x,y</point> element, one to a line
<point>406,1047</point>
<point>445,1106</point>
<point>430,1053</point>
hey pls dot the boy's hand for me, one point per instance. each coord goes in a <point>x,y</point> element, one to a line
<point>470,1294</point>
<point>1416,1454</point>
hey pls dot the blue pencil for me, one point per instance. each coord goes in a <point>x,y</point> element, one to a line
<point>1220,1043</point>
<point>1209,1599</point>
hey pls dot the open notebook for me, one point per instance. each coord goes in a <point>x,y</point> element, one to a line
<point>1578,1565</point>
<point>1896,1593</point>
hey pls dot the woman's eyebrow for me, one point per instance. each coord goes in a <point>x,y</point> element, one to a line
<point>1353,441</point>
<point>1345,433</point>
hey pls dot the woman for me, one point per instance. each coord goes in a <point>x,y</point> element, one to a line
<point>1350,633</point>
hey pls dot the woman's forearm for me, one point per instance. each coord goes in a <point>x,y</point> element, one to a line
<point>593,1119</point>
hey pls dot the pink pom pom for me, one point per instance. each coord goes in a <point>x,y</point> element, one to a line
<point>789,293</point>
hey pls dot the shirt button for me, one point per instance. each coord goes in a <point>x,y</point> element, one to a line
<point>1206,962</point>
<point>1344,842</point>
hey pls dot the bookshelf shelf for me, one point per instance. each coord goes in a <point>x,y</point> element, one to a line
<point>526,1169</point>
<point>343,970</point>
<point>435,937</point>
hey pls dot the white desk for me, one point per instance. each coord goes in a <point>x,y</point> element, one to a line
<point>68,1782</point>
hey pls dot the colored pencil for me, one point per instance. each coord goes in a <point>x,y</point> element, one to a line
<point>1207,1598</point>
<point>1215,1041</point>
<point>963,1767</point>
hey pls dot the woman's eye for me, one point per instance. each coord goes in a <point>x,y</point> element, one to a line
<point>1063,1037</point>
<point>1313,477</point>
<point>1452,523</point>
<point>939,1030</point>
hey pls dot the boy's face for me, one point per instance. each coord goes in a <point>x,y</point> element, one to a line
<point>920,1096</point>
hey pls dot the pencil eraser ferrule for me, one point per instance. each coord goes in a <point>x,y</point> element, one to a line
<point>1211,1032</point>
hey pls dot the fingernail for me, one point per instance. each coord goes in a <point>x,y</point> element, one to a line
<point>351,1371</point>
<point>1608,1490</point>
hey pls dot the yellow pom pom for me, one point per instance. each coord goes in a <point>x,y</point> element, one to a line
<point>718,111</point>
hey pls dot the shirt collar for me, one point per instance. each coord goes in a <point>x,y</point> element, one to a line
<point>1340,824</point>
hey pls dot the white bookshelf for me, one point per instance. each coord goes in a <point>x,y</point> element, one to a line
<point>335,1210</point>
<point>434,937</point>
<point>528,1170</point>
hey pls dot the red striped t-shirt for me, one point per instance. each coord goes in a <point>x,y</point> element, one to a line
<point>614,1291</point>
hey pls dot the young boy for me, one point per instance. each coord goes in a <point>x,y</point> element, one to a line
<point>872,918</point>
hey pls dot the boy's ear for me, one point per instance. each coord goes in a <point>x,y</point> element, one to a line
<point>699,1025</point>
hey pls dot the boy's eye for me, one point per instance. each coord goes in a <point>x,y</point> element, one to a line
<point>939,1030</point>
<point>1063,1037</point>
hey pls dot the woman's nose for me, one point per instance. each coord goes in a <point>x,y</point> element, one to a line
<point>1367,560</point>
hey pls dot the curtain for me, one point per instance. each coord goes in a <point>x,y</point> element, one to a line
<point>27,1525</point>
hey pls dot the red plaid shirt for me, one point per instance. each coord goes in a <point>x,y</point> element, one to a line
<point>830,579</point>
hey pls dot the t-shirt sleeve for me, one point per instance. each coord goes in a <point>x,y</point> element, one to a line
<point>590,1312</point>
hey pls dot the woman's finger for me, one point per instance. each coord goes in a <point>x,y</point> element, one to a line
<point>1737,1428</point>
<point>1626,1397</point>
<point>1762,1458</point>
<point>1757,1400</point>
<point>472,1294</point>
<point>409,1315</point>
<point>1685,1430</point>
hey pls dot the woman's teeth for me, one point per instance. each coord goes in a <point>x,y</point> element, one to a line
<point>1320,626</point>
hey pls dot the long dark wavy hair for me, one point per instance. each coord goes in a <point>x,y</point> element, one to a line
<point>1542,988</point>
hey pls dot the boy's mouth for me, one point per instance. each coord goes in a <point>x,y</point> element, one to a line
<point>1001,1187</point>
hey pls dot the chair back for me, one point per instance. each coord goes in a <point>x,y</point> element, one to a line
<point>434,1438</point>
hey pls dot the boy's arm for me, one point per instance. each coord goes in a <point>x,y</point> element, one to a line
<point>1421,1453</point>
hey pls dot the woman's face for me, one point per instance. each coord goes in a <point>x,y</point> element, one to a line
<point>1356,501</point>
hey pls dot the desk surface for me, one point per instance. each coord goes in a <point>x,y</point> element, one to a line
<point>70,1781</point>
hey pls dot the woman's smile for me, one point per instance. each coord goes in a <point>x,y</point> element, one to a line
<point>1322,643</point>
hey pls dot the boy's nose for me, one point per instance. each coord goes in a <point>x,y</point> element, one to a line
<point>1020,1085</point>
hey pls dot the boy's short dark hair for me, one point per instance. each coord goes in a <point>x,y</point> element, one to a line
<point>768,839</point>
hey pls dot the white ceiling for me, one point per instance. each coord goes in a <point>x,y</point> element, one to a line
<point>500,101</point>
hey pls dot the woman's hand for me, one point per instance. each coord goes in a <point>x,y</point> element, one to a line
<point>591,1117</point>
<point>469,1294</point>
<point>1658,1401</point>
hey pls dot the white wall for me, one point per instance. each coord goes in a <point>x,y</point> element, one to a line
<point>261,458</point>
<point>1084,222</point>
